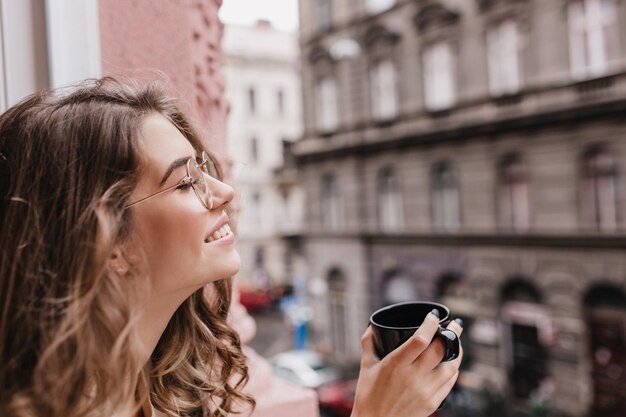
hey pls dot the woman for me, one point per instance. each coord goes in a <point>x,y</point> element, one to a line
<point>115,258</point>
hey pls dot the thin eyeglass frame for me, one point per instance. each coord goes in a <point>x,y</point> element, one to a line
<point>186,180</point>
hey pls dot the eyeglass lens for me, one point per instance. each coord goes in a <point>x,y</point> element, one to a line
<point>199,184</point>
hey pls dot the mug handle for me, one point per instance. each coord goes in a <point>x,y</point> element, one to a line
<point>451,342</point>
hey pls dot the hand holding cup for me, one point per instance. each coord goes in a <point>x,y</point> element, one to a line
<point>411,379</point>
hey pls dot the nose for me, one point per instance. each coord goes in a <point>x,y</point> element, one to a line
<point>221,193</point>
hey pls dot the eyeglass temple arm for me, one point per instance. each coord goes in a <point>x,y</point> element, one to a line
<point>184,180</point>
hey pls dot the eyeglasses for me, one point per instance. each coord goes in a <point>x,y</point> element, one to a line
<point>195,179</point>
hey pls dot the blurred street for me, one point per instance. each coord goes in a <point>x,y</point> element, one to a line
<point>273,334</point>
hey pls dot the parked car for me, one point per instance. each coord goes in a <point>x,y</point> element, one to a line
<point>254,298</point>
<point>305,368</point>
<point>337,398</point>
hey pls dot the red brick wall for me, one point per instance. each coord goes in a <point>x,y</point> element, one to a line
<point>179,40</point>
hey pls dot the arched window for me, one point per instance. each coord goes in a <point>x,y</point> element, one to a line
<point>593,37</point>
<point>390,211</point>
<point>504,58</point>
<point>383,90</point>
<point>439,76</point>
<point>599,177</point>
<point>527,330</point>
<point>337,286</point>
<point>513,204</point>
<point>326,104</point>
<point>399,288</point>
<point>444,197</point>
<point>605,313</point>
<point>331,204</point>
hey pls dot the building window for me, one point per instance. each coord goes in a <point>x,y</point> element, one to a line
<point>251,100</point>
<point>527,334</point>
<point>398,288</point>
<point>513,203</point>
<point>254,150</point>
<point>338,300</point>
<point>377,6</point>
<point>332,207</point>
<point>390,210</point>
<point>605,313</point>
<point>439,79</point>
<point>256,210</point>
<point>322,14</point>
<point>280,102</point>
<point>384,91</point>
<point>599,182</point>
<point>593,37</point>
<point>445,198</point>
<point>285,207</point>
<point>326,105</point>
<point>503,58</point>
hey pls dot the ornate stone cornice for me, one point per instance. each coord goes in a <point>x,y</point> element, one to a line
<point>434,14</point>
<point>379,34</point>
<point>319,53</point>
<point>484,5</point>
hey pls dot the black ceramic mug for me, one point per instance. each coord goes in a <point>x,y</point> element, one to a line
<point>395,324</point>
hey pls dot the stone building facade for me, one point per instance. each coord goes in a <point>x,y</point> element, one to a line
<point>473,152</point>
<point>263,88</point>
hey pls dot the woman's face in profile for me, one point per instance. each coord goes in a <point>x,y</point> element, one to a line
<point>175,229</point>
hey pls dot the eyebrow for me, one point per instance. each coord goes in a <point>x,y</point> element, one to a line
<point>174,165</point>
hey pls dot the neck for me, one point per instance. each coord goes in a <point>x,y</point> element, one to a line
<point>154,318</point>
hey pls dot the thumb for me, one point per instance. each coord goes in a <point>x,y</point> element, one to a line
<point>369,357</point>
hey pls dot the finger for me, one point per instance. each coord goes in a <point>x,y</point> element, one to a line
<point>446,370</point>
<point>418,343</point>
<point>431,357</point>
<point>434,354</point>
<point>456,326</point>
<point>368,352</point>
<point>443,391</point>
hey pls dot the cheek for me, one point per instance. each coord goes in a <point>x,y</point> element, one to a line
<point>173,246</point>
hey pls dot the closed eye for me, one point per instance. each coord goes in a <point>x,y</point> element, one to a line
<point>186,183</point>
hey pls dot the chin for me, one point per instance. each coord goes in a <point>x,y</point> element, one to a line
<point>228,266</point>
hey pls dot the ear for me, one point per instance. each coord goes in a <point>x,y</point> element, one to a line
<point>118,263</point>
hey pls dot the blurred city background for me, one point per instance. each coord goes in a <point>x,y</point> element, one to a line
<point>469,152</point>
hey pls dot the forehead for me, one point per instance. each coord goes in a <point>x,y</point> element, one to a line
<point>162,143</point>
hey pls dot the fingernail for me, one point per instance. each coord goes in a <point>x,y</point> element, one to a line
<point>459,321</point>
<point>435,312</point>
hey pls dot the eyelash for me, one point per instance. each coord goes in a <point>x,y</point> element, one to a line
<point>184,186</point>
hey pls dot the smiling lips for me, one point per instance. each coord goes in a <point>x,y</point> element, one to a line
<point>219,234</point>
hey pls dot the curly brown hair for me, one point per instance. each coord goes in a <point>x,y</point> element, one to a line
<point>69,160</point>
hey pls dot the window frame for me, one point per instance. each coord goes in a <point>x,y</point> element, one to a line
<point>378,101</point>
<point>586,60</point>
<point>327,117</point>
<point>441,196</point>
<point>591,200</point>
<point>390,200</point>
<point>331,203</point>
<point>508,179</point>
<point>499,76</point>
<point>434,102</point>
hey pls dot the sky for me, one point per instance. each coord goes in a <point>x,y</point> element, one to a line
<point>282,13</point>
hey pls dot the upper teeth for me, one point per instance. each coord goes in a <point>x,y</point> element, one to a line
<point>223,231</point>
